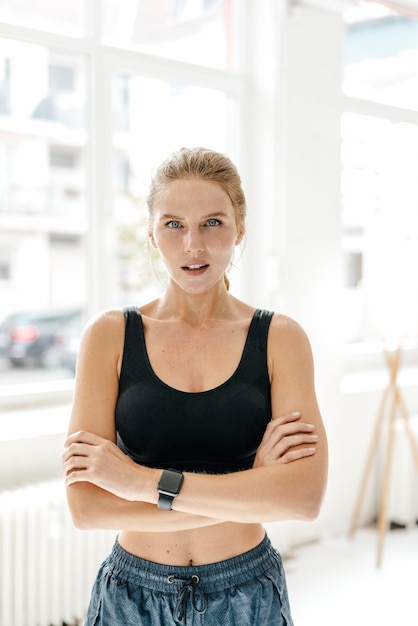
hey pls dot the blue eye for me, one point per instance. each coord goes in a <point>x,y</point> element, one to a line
<point>173,224</point>
<point>213,222</point>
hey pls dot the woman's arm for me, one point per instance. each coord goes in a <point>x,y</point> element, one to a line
<point>279,490</point>
<point>96,391</point>
<point>286,439</point>
<point>93,508</point>
<point>275,491</point>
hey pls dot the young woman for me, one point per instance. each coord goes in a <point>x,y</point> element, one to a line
<point>194,420</point>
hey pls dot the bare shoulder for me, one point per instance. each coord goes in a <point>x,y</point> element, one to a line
<point>108,323</point>
<point>97,380</point>
<point>287,341</point>
<point>286,329</point>
<point>104,334</point>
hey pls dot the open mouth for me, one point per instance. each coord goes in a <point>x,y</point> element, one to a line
<point>195,268</point>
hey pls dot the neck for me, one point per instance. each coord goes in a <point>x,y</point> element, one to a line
<point>196,309</point>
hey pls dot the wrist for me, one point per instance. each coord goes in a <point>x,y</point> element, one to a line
<point>149,482</point>
<point>168,488</point>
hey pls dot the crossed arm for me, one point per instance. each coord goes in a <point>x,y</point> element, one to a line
<point>106,489</point>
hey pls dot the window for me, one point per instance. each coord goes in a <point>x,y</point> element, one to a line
<point>382,59</point>
<point>174,28</point>
<point>81,126</point>
<point>43,196</point>
<point>379,182</point>
<point>65,18</point>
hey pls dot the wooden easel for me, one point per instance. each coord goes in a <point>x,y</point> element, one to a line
<point>392,405</point>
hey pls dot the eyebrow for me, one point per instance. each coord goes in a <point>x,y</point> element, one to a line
<point>172,216</point>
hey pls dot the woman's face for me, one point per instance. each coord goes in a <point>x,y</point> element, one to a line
<point>195,230</point>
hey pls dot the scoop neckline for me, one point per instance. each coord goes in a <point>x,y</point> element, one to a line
<point>254,318</point>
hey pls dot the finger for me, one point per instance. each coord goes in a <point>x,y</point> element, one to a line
<point>293,446</point>
<point>292,441</point>
<point>75,463</point>
<point>75,449</point>
<point>292,426</point>
<point>280,426</point>
<point>83,436</point>
<point>284,419</point>
<point>76,477</point>
<point>295,455</point>
<point>275,436</point>
<point>278,423</point>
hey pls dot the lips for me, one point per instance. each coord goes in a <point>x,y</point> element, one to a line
<point>195,267</point>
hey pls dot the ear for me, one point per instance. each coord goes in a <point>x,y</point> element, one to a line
<point>151,239</point>
<point>241,233</point>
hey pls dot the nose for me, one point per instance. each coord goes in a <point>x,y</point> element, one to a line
<point>194,241</point>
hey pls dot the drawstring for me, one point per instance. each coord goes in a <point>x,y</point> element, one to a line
<point>192,590</point>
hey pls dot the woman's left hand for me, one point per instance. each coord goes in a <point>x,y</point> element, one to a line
<point>286,439</point>
<point>90,458</point>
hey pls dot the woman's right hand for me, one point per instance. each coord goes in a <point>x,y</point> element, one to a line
<point>286,439</point>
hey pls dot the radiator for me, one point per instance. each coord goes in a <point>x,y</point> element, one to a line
<point>47,567</point>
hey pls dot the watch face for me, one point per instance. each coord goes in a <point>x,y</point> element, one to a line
<point>170,482</point>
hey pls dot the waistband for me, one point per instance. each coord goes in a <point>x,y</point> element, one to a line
<point>211,578</point>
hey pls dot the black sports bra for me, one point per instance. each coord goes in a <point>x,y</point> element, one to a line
<point>214,431</point>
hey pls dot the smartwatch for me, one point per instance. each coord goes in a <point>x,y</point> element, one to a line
<point>169,487</point>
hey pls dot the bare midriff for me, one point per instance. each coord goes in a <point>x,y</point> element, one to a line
<point>199,546</point>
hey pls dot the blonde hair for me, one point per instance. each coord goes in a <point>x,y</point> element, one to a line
<point>199,163</point>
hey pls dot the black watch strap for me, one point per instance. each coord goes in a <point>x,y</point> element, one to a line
<point>169,487</point>
<point>165,502</point>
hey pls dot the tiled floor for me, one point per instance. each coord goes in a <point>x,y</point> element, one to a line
<point>335,582</point>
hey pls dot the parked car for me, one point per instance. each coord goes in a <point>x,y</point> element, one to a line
<point>28,338</point>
